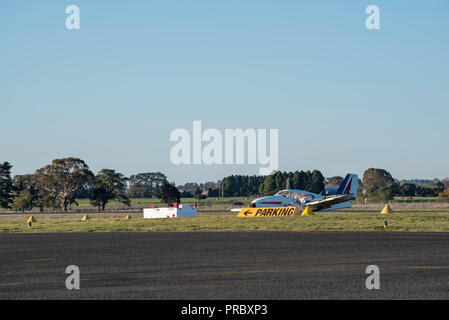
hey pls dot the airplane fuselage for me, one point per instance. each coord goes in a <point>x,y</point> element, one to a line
<point>329,199</point>
<point>302,198</point>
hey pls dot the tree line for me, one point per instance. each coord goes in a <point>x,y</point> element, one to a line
<point>200,190</point>
<point>59,184</point>
<point>379,184</point>
<point>376,184</point>
<point>238,185</point>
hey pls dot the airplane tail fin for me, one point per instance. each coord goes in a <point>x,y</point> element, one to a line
<point>349,185</point>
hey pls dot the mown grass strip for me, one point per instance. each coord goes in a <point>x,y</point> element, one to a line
<point>351,220</point>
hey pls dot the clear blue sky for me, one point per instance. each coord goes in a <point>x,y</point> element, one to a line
<point>344,98</point>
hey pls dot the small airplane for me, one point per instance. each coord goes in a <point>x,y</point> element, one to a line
<point>329,199</point>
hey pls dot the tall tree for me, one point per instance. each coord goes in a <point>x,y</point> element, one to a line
<point>384,193</point>
<point>334,181</point>
<point>406,189</point>
<point>26,195</point>
<point>268,187</point>
<point>24,182</point>
<point>377,178</point>
<point>299,180</point>
<point>169,193</point>
<point>191,187</point>
<point>287,183</point>
<point>316,182</point>
<point>109,185</point>
<point>60,179</point>
<point>6,185</point>
<point>146,185</point>
<point>24,200</point>
<point>279,178</point>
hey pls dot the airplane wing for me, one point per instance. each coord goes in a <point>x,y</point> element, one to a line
<point>327,202</point>
<point>347,191</point>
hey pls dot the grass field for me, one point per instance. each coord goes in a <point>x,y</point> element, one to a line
<point>349,220</point>
<point>83,205</point>
<point>147,202</point>
<point>214,201</point>
<point>139,203</point>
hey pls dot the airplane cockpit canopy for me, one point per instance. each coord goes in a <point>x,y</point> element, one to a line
<point>297,195</point>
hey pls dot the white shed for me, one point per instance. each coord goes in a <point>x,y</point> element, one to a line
<point>182,211</point>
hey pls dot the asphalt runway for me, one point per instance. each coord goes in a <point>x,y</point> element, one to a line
<point>225,265</point>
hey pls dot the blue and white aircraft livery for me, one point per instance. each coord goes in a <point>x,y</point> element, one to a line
<point>329,199</point>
